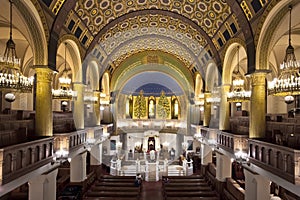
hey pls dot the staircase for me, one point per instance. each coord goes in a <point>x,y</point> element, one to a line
<point>175,170</point>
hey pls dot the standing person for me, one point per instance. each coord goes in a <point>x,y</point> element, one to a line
<point>172,153</point>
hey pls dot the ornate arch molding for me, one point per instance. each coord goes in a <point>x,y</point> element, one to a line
<point>247,32</point>
<point>39,52</point>
<point>74,39</point>
<point>42,17</point>
<point>266,12</point>
<point>264,49</point>
<point>56,28</point>
<point>227,55</point>
<point>161,12</point>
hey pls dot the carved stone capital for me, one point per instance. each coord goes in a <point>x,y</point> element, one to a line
<point>44,74</point>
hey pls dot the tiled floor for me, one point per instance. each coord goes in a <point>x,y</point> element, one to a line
<point>152,191</point>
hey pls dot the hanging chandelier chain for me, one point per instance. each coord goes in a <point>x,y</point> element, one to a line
<point>290,26</point>
<point>10,33</point>
<point>65,56</point>
<point>238,59</point>
<point>11,77</point>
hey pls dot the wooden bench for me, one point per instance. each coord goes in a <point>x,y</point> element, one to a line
<point>117,177</point>
<point>191,198</point>
<point>196,188</point>
<point>107,198</point>
<point>109,188</point>
<point>186,180</point>
<point>175,184</point>
<point>133,195</point>
<point>115,184</point>
<point>184,177</point>
<point>117,180</point>
<point>190,194</point>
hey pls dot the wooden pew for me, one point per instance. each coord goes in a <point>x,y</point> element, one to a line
<point>109,188</point>
<point>117,177</point>
<point>184,177</point>
<point>190,194</point>
<point>116,194</point>
<point>196,188</point>
<point>107,198</point>
<point>117,180</point>
<point>115,184</point>
<point>187,180</point>
<point>191,198</point>
<point>187,184</point>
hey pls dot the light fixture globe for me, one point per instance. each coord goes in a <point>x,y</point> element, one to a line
<point>238,104</point>
<point>9,97</point>
<point>289,99</point>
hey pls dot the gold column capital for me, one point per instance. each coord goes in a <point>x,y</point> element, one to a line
<point>259,78</point>
<point>44,74</point>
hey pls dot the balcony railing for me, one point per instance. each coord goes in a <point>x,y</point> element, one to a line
<point>20,159</point>
<point>231,142</point>
<point>277,159</point>
<point>134,125</point>
<point>67,143</point>
<point>94,134</point>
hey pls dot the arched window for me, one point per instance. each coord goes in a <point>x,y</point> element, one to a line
<point>175,108</point>
<point>151,107</point>
<point>129,107</point>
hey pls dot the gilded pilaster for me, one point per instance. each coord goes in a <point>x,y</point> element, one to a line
<point>207,109</point>
<point>78,112</point>
<point>97,108</point>
<point>224,123</point>
<point>43,109</point>
<point>258,105</point>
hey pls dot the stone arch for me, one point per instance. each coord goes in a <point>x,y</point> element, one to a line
<point>105,83</point>
<point>74,54</point>
<point>35,26</point>
<point>212,77</point>
<point>265,40</point>
<point>229,62</point>
<point>92,75</point>
<point>198,84</point>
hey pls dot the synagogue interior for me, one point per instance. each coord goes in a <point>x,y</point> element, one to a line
<point>104,99</point>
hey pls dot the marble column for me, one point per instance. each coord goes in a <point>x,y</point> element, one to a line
<point>43,187</point>
<point>207,109</point>
<point>206,154</point>
<point>224,123</point>
<point>223,167</point>
<point>96,154</point>
<point>97,109</point>
<point>43,106</point>
<point>257,187</point>
<point>258,105</point>
<point>78,112</point>
<point>78,168</point>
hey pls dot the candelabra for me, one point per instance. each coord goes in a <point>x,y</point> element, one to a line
<point>238,92</point>
<point>288,82</point>
<point>11,77</point>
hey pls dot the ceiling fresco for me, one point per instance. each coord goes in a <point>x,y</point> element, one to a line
<point>207,14</point>
<point>148,26</point>
<point>152,44</point>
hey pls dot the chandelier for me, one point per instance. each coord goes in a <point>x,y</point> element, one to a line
<point>65,91</point>
<point>215,96</point>
<point>288,82</point>
<point>11,77</point>
<point>238,93</point>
